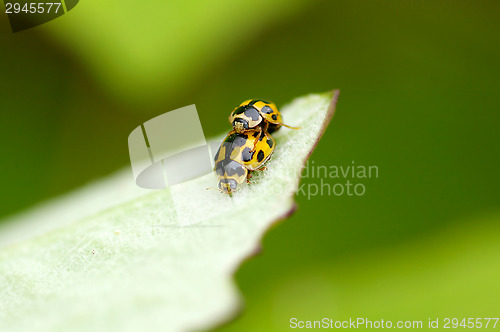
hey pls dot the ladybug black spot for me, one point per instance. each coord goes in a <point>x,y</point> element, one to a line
<point>260,156</point>
<point>267,110</point>
<point>246,154</point>
<point>239,110</point>
<point>252,113</point>
<point>270,143</point>
<point>240,140</point>
<point>220,170</point>
<point>275,117</point>
<point>231,168</point>
<point>230,138</point>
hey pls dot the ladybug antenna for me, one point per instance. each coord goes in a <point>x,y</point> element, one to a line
<point>214,189</point>
<point>285,125</point>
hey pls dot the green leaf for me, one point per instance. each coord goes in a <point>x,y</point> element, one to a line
<point>115,257</point>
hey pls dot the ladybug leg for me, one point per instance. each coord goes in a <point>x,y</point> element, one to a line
<point>249,176</point>
<point>257,139</point>
<point>259,135</point>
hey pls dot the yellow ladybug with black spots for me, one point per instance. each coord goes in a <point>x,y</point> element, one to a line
<point>257,114</point>
<point>239,155</point>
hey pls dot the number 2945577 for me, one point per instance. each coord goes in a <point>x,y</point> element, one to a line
<point>32,8</point>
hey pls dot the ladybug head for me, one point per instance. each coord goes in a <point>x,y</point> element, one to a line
<point>240,125</point>
<point>227,187</point>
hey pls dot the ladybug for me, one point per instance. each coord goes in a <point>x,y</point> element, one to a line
<point>257,113</point>
<point>239,155</point>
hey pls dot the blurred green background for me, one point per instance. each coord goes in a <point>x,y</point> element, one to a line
<point>419,99</point>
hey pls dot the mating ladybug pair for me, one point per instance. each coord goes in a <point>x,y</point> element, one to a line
<point>248,145</point>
